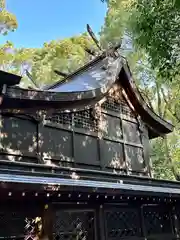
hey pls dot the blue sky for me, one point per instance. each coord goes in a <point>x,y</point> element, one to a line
<point>42,20</point>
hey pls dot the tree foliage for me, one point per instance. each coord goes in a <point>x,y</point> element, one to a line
<point>8,21</point>
<point>63,55</point>
<point>115,23</point>
<point>14,60</point>
<point>155,27</point>
<point>153,55</point>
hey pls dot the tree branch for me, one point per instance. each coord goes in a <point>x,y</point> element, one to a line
<point>169,108</point>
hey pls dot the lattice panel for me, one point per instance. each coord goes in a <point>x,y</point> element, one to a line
<point>121,223</point>
<point>85,119</point>
<point>60,118</point>
<point>126,110</point>
<point>70,225</point>
<point>11,224</point>
<point>120,106</point>
<point>30,230</point>
<point>157,221</point>
<point>112,105</point>
<point>16,225</point>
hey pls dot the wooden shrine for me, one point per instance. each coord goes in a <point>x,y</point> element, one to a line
<point>74,159</point>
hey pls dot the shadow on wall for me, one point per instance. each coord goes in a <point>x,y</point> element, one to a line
<point>117,149</point>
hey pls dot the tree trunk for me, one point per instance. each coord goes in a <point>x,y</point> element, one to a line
<point>169,160</point>
<point>159,99</point>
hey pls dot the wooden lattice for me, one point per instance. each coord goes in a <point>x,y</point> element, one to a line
<point>157,220</point>
<point>122,223</point>
<point>70,225</point>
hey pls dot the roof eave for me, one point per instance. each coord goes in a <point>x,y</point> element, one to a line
<point>9,79</point>
<point>157,126</point>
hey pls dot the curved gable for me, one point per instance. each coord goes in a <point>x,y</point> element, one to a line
<point>157,125</point>
<point>84,88</point>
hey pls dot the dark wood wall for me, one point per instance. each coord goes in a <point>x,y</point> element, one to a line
<point>108,221</point>
<point>108,138</point>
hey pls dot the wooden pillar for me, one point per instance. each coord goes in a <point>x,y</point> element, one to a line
<point>143,227</point>
<point>175,223</point>
<point>47,222</point>
<point>146,148</point>
<point>101,221</point>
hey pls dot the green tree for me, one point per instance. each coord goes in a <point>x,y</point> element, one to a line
<point>16,60</point>
<point>155,28</point>
<point>8,21</point>
<point>152,50</point>
<point>63,55</point>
